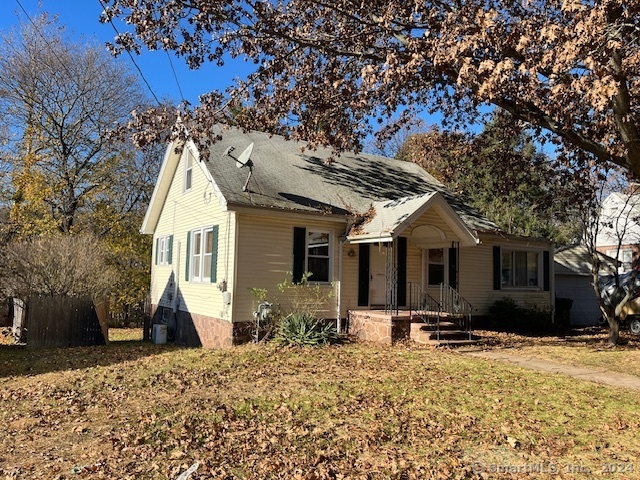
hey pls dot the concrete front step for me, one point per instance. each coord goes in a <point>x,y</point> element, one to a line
<point>417,326</point>
<point>435,314</point>
<point>451,343</point>
<point>450,334</point>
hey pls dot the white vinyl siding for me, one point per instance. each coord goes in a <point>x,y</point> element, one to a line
<point>264,259</point>
<point>181,214</point>
<point>476,275</point>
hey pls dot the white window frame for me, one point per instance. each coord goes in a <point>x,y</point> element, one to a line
<point>188,169</point>
<point>624,255</point>
<point>539,269</point>
<point>329,257</point>
<point>197,261</point>
<point>164,243</point>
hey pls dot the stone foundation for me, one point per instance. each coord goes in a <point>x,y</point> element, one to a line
<point>194,330</point>
<point>377,326</point>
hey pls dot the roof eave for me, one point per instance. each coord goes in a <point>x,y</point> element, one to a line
<point>160,190</point>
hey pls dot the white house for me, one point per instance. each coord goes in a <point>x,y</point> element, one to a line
<point>378,233</point>
<point>619,227</point>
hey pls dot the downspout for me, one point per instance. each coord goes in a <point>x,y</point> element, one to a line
<point>176,280</point>
<point>234,282</point>
<point>552,282</point>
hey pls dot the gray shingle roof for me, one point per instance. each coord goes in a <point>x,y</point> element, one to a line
<point>286,176</point>
<point>576,260</point>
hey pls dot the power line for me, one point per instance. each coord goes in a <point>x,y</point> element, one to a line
<point>104,8</point>
<point>175,75</point>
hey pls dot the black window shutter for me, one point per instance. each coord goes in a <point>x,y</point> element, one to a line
<point>363,275</point>
<point>545,270</point>
<point>497,268</point>
<point>299,253</point>
<point>214,255</point>
<point>402,271</point>
<point>157,249</point>
<point>188,260</point>
<point>453,268</point>
<point>170,256</point>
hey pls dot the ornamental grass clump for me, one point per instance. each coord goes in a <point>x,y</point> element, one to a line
<point>305,330</point>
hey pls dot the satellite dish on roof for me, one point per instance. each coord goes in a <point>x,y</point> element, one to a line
<point>244,159</point>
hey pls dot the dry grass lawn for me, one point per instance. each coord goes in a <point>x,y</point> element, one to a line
<point>133,410</point>
<point>586,347</point>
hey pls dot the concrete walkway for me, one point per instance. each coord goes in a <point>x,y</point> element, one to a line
<point>605,377</point>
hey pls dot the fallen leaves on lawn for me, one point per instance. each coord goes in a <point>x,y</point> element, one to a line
<point>347,412</point>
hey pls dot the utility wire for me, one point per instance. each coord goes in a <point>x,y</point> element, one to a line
<point>175,75</point>
<point>104,8</point>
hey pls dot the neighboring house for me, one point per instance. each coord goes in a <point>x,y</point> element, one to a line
<point>619,227</point>
<point>574,281</point>
<point>377,233</point>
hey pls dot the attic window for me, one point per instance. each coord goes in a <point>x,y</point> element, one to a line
<point>188,170</point>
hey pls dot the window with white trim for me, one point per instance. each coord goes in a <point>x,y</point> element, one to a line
<point>163,250</point>
<point>188,169</point>
<point>624,255</point>
<point>521,268</point>
<point>203,248</point>
<point>319,256</point>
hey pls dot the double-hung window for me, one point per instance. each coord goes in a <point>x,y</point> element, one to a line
<point>202,244</point>
<point>164,246</point>
<point>318,255</point>
<point>312,253</point>
<point>520,268</point>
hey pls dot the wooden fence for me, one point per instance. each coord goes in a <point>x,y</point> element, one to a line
<point>53,322</point>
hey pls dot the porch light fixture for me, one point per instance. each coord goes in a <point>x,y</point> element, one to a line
<point>351,253</point>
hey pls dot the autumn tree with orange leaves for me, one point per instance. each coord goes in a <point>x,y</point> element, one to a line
<point>331,70</point>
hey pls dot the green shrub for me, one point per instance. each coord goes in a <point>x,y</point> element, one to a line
<point>506,315</point>
<point>305,330</point>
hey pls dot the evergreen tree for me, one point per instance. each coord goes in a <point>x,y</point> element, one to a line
<point>502,174</point>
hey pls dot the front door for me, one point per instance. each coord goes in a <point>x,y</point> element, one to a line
<point>378,269</point>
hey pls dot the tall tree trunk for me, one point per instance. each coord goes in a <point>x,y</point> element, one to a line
<point>614,329</point>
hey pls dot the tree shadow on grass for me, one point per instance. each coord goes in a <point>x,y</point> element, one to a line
<point>17,360</point>
<point>593,337</point>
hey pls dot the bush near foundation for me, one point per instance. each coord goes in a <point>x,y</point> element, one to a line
<point>506,315</point>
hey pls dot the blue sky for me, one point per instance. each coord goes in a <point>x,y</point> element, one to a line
<point>81,18</point>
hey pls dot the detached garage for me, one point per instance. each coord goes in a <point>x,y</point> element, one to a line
<point>574,281</point>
